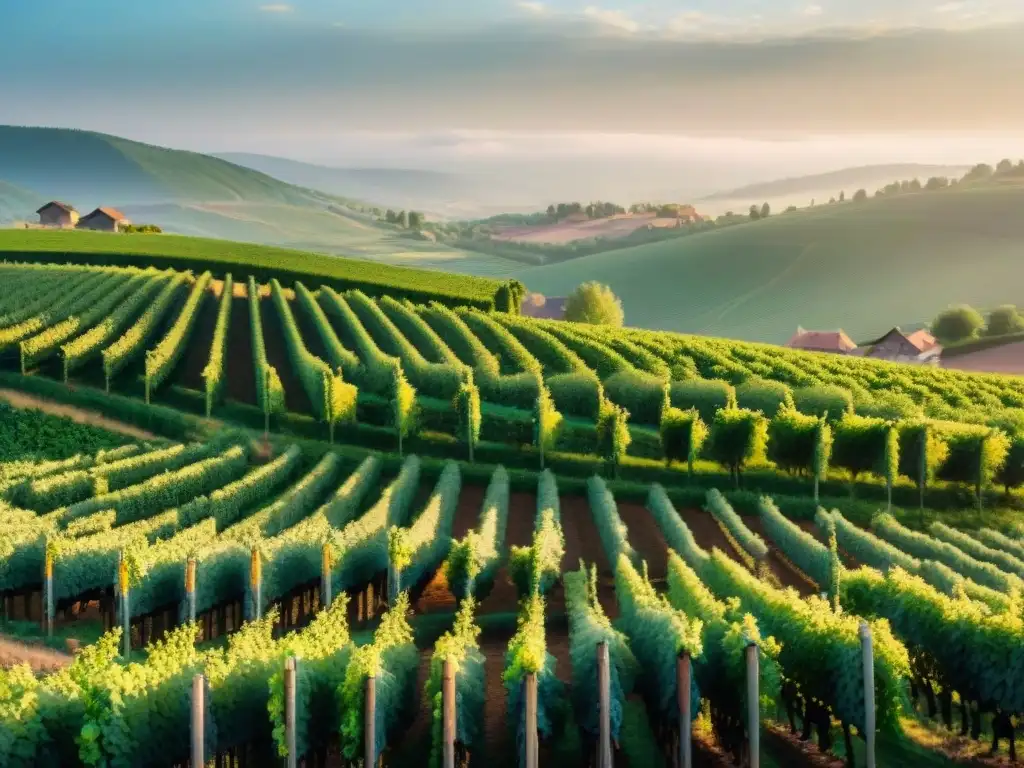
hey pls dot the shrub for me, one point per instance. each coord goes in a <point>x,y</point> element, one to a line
<point>706,395</point>
<point>862,444</point>
<point>922,451</point>
<point>737,438</point>
<point>799,443</point>
<point>1004,320</point>
<point>976,454</point>
<point>763,395</point>
<point>645,396</point>
<point>957,324</point>
<point>613,435</point>
<point>825,399</point>
<point>594,303</point>
<point>682,435</point>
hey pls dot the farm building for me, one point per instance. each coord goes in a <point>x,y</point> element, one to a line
<point>543,307</point>
<point>104,220</point>
<point>917,347</point>
<point>836,342</point>
<point>58,214</point>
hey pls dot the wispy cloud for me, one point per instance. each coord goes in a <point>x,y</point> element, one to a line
<point>615,19</point>
<point>813,10</point>
<point>534,7</point>
<point>277,8</point>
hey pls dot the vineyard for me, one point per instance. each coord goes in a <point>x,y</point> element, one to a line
<point>319,607</point>
<point>459,382</point>
<point>384,530</point>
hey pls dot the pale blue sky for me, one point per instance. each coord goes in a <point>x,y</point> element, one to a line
<point>285,77</point>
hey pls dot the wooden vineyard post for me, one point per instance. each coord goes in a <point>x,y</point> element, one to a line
<point>198,721</point>
<point>190,588</point>
<point>325,576</point>
<point>256,583</point>
<point>126,619</point>
<point>868,654</point>
<point>289,711</point>
<point>532,747</point>
<point>448,714</point>
<point>48,594</point>
<point>684,670</point>
<point>754,705</point>
<point>370,724</point>
<point>604,696</point>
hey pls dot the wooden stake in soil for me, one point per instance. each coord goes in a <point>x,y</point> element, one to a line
<point>190,588</point>
<point>256,583</point>
<point>448,714</point>
<point>868,654</point>
<point>370,723</point>
<point>126,619</point>
<point>754,705</point>
<point>604,695</point>
<point>198,717</point>
<point>325,576</point>
<point>289,711</point>
<point>48,574</point>
<point>684,670</point>
<point>532,747</point>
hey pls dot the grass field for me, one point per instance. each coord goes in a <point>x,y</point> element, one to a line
<point>220,256</point>
<point>864,267</point>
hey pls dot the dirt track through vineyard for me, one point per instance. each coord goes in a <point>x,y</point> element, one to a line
<point>241,373</point>
<point>78,415</point>
<point>189,371</point>
<point>786,575</point>
<point>295,396</point>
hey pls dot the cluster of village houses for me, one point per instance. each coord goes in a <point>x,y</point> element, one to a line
<point>897,346</point>
<point>64,216</point>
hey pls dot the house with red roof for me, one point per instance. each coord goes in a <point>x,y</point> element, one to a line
<point>836,342</point>
<point>917,347</point>
<point>104,220</point>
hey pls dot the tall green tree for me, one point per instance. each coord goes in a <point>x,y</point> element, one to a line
<point>594,303</point>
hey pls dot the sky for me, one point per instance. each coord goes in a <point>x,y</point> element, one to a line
<point>430,82</point>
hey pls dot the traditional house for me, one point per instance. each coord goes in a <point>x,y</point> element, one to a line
<point>104,220</point>
<point>836,342</point>
<point>543,307</point>
<point>57,214</point>
<point>917,347</point>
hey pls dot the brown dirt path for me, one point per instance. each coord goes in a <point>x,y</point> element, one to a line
<point>78,415</point>
<point>189,371</point>
<point>645,537</point>
<point>241,375</point>
<point>41,659</point>
<point>787,575</point>
<point>295,397</point>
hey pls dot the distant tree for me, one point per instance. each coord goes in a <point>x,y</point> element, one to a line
<point>860,196</point>
<point>1004,320</point>
<point>915,185</point>
<point>1005,166</point>
<point>842,197</point>
<point>936,182</point>
<point>391,217</point>
<point>979,172</point>
<point>766,211</point>
<point>594,303</point>
<point>415,219</point>
<point>403,219</point>
<point>591,211</point>
<point>832,201</point>
<point>791,209</point>
<point>957,324</point>
<point>755,213</point>
<point>551,212</point>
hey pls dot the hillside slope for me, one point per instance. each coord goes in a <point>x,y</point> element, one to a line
<point>88,169</point>
<point>861,266</point>
<point>16,202</point>
<point>869,177</point>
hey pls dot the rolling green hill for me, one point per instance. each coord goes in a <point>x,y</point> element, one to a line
<point>861,266</point>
